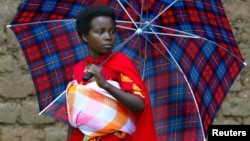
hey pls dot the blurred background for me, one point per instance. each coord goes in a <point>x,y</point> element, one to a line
<point>19,119</point>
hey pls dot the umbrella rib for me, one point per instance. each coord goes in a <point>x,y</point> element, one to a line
<point>141,19</point>
<point>175,35</point>
<point>122,21</point>
<point>129,22</point>
<point>127,13</point>
<point>51,21</point>
<point>124,27</point>
<point>40,113</point>
<point>175,30</point>
<point>178,66</point>
<point>225,50</point>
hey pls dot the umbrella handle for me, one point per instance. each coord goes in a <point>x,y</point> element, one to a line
<point>87,77</point>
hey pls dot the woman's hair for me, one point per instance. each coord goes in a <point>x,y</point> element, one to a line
<point>83,20</point>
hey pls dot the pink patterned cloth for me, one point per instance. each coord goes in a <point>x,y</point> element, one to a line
<point>95,112</point>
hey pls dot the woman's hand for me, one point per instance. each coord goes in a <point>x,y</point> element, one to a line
<point>98,76</point>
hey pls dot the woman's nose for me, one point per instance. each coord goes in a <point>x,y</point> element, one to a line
<point>107,35</point>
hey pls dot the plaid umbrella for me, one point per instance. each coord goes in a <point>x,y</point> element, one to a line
<point>184,49</point>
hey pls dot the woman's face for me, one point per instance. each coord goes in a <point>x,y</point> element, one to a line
<point>101,36</point>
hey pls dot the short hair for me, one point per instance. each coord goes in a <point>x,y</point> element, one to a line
<point>84,18</point>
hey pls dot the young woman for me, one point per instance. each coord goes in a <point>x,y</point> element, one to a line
<point>96,26</point>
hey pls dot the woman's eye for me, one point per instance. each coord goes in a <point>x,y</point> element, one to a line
<point>99,31</point>
<point>112,31</point>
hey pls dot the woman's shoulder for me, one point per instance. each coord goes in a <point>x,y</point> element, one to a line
<point>121,57</point>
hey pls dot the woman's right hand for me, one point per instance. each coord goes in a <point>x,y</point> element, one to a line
<point>98,76</point>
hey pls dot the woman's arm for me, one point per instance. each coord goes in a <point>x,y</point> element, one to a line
<point>131,101</point>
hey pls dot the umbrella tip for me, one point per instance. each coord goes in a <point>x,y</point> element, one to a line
<point>8,25</point>
<point>138,31</point>
<point>245,63</point>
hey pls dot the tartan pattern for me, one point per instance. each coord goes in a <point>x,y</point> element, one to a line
<point>209,64</point>
<point>50,58</point>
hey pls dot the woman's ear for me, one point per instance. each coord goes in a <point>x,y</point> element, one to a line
<point>84,38</point>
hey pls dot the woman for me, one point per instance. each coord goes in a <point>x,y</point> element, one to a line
<point>96,26</point>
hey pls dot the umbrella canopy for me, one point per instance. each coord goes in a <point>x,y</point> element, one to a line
<point>185,51</point>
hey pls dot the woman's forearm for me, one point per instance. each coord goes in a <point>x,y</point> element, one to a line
<point>130,101</point>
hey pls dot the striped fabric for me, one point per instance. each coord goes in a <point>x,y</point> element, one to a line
<point>95,112</point>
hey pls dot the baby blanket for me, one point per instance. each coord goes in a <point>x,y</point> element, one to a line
<point>95,112</point>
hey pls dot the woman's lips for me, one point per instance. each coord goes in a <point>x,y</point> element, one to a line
<point>107,46</point>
